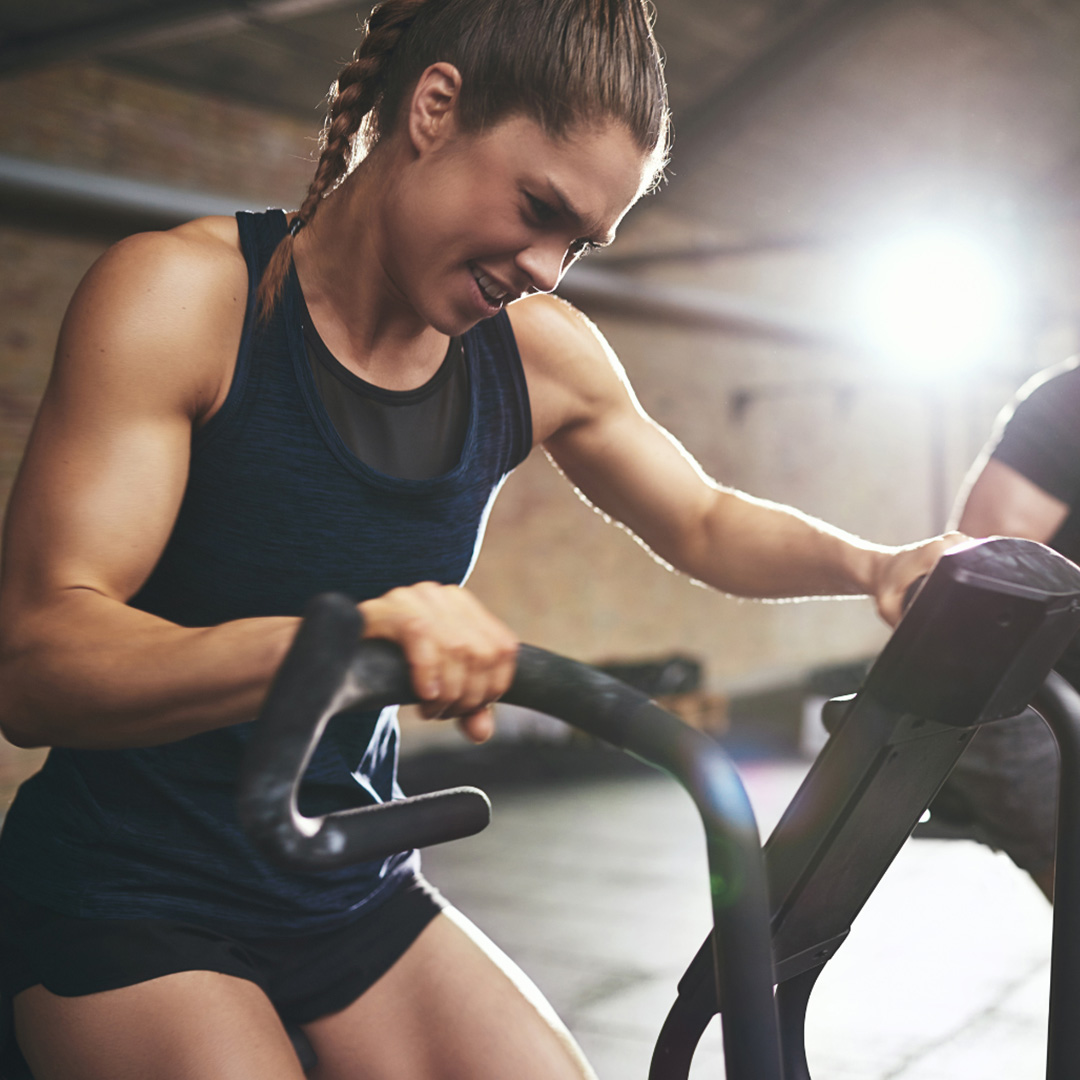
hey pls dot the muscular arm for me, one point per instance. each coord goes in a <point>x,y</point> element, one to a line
<point>588,419</point>
<point>144,352</point>
<point>999,501</point>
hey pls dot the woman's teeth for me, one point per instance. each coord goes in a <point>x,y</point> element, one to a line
<point>492,293</point>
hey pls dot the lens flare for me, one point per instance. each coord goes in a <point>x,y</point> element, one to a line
<point>936,299</point>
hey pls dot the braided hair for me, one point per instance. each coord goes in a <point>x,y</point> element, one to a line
<point>559,62</point>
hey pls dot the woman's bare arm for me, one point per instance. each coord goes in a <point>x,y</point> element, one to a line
<point>145,352</point>
<point>588,419</point>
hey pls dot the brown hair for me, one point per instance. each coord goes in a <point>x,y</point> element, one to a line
<point>559,62</point>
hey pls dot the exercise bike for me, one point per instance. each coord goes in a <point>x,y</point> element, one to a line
<point>976,645</point>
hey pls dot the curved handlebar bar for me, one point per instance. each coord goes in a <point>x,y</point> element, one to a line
<point>328,670</point>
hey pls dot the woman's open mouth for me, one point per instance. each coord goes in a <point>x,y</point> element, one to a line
<point>492,292</point>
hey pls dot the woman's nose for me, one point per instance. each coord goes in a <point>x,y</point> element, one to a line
<point>543,263</point>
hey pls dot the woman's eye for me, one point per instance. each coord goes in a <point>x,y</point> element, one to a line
<point>542,211</point>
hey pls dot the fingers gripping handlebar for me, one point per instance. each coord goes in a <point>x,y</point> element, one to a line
<point>328,669</point>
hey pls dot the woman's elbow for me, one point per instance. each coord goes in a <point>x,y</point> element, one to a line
<point>21,736</point>
<point>20,722</point>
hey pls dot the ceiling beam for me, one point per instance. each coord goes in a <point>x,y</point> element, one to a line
<point>596,290</point>
<point>707,252</point>
<point>36,189</point>
<point>36,193</point>
<point>163,24</point>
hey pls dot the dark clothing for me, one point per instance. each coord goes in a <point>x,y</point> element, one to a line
<point>1040,438</point>
<point>410,434</point>
<point>305,976</point>
<point>1005,785</point>
<point>276,510</point>
<point>1003,791</point>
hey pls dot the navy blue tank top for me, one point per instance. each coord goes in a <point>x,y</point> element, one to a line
<point>276,510</point>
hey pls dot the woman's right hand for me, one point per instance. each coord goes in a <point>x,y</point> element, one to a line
<point>461,657</point>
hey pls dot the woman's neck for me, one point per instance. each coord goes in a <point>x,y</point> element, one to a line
<point>358,312</point>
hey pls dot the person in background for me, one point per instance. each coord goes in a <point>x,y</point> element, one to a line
<point>1025,483</point>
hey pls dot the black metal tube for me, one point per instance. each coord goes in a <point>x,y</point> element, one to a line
<point>673,1053</point>
<point>742,940</point>
<point>792,998</point>
<point>1059,705</point>
<point>604,707</point>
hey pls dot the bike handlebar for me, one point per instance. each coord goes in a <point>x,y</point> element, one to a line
<point>328,669</point>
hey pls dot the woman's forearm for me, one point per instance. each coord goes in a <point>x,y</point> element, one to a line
<point>755,548</point>
<point>88,671</point>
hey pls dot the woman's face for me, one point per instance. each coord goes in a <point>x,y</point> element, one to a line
<point>476,221</point>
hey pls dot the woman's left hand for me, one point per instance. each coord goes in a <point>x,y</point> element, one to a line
<point>898,569</point>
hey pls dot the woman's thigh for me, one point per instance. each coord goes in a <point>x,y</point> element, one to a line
<point>194,1024</point>
<point>454,1007</point>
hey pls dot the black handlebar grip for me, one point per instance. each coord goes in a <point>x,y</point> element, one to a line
<point>324,672</point>
<point>328,669</point>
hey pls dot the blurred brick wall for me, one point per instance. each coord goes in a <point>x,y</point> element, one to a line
<point>87,118</point>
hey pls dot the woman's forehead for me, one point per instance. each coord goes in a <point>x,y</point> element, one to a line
<point>592,170</point>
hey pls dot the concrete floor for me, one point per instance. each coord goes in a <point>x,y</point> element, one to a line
<point>597,887</point>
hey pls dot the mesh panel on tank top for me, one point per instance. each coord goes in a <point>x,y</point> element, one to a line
<point>409,434</point>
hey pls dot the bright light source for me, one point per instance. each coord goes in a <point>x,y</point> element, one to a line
<point>937,299</point>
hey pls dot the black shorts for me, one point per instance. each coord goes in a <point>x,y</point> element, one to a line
<point>306,976</point>
<point>1007,780</point>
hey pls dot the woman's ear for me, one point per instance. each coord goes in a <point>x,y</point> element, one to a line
<point>433,106</point>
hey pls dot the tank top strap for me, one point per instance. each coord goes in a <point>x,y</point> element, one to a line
<point>496,365</point>
<point>260,234</point>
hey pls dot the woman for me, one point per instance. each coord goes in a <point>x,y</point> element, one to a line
<point>246,412</point>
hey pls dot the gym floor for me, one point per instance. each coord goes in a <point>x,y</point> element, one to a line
<point>596,885</point>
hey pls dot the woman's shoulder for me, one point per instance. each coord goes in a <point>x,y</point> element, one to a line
<point>173,300</point>
<point>192,261</point>
<point>543,322</point>
<point>557,340</point>
<point>572,372</point>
